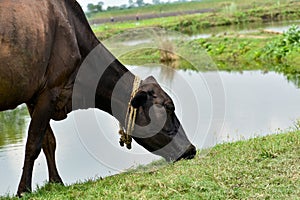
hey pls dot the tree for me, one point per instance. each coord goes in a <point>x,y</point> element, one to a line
<point>109,8</point>
<point>124,6</point>
<point>99,6</point>
<point>155,2</point>
<point>140,3</point>
<point>91,8</point>
<point>131,3</point>
<point>95,8</point>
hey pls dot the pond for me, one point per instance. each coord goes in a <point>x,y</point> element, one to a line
<point>274,26</point>
<point>213,106</point>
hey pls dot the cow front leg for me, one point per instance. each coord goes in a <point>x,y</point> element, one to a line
<point>40,118</point>
<point>49,146</point>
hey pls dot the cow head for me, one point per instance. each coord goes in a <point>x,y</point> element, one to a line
<point>157,127</point>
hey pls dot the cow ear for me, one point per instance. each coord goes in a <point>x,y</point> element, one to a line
<point>139,99</point>
<point>150,80</point>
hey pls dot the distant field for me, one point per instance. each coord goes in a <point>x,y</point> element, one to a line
<point>205,15</point>
<point>187,6</point>
<point>162,8</point>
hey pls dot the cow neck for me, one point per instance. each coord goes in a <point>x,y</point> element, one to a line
<point>114,91</point>
<point>116,75</point>
<point>86,38</point>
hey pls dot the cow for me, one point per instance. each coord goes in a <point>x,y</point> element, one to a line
<point>43,48</point>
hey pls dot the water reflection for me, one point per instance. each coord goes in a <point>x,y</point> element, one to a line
<point>294,78</point>
<point>12,126</point>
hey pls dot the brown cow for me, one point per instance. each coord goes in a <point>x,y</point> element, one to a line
<point>43,45</point>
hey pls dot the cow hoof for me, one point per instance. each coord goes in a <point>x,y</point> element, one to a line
<point>56,180</point>
<point>22,194</point>
<point>22,191</point>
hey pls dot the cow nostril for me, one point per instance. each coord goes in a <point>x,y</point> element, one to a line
<point>189,153</point>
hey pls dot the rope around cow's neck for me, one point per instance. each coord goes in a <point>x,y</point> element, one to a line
<point>126,131</point>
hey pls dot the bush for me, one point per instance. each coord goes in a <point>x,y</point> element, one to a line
<point>278,49</point>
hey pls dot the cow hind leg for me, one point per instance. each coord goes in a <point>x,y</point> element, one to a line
<point>49,146</point>
<point>40,117</point>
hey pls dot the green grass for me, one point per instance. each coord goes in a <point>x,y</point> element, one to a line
<point>261,168</point>
<point>233,53</point>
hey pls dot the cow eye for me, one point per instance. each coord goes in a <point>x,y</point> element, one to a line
<point>152,94</point>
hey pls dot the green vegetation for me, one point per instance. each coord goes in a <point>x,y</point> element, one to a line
<point>95,8</point>
<point>231,14</point>
<point>234,52</point>
<point>260,51</point>
<point>260,168</point>
<point>281,47</point>
<point>278,53</point>
<point>229,53</point>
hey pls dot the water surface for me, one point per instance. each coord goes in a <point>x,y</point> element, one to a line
<point>279,27</point>
<point>213,106</point>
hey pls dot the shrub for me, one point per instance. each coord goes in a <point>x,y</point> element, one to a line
<point>278,49</point>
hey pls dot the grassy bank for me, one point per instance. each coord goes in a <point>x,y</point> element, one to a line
<point>260,168</point>
<point>254,52</point>
<point>229,53</point>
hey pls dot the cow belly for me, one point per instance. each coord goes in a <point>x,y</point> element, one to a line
<point>19,79</point>
<point>15,89</point>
